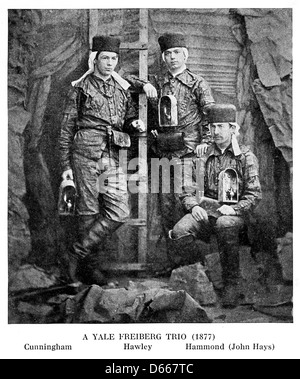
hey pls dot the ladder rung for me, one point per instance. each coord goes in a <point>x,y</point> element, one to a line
<point>133,46</point>
<point>124,267</point>
<point>136,222</point>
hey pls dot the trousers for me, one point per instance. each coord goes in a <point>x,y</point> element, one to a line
<point>227,230</point>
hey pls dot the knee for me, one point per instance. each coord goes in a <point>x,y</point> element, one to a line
<point>185,227</point>
<point>229,222</point>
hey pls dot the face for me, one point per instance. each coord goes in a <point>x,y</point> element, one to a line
<point>174,58</point>
<point>106,63</point>
<point>221,133</point>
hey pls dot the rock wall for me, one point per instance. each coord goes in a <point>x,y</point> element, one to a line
<point>46,47</point>
<point>20,53</point>
<point>264,91</point>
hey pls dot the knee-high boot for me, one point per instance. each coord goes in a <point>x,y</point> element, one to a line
<point>84,224</point>
<point>81,267</point>
<point>228,244</point>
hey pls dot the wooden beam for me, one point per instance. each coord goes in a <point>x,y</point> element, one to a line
<point>142,197</point>
<point>93,24</point>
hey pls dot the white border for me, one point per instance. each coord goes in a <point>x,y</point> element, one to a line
<point>13,337</point>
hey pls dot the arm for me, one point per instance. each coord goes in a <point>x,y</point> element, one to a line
<point>140,86</point>
<point>251,194</point>
<point>205,101</point>
<point>68,130</point>
<point>136,84</point>
<point>132,123</point>
<point>188,196</point>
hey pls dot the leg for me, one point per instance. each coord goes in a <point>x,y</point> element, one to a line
<point>186,231</point>
<point>171,211</point>
<point>227,229</point>
<point>84,224</point>
<point>188,227</point>
<point>112,188</point>
<point>87,206</point>
<point>85,251</point>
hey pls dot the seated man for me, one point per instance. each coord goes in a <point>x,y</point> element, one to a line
<point>225,218</point>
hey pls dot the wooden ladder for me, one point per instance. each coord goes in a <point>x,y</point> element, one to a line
<point>141,221</point>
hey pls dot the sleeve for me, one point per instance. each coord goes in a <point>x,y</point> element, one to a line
<point>136,84</point>
<point>131,113</point>
<point>137,87</point>
<point>204,95</point>
<point>251,194</point>
<point>188,196</point>
<point>206,136</point>
<point>205,101</point>
<point>68,129</point>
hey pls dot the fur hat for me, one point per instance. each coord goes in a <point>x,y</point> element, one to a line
<point>167,41</point>
<point>105,43</point>
<point>222,113</point>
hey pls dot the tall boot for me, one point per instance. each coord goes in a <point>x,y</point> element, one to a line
<point>73,268</point>
<point>228,244</point>
<point>95,238</point>
<point>85,222</point>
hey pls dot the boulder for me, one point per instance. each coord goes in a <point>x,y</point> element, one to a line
<point>194,281</point>
<point>97,305</point>
<point>31,277</point>
<point>285,256</point>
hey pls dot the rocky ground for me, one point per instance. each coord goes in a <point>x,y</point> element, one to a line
<point>188,294</point>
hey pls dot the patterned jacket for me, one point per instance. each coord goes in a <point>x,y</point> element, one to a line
<point>193,96</point>
<point>91,106</point>
<point>247,168</point>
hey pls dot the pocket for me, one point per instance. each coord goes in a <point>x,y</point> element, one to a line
<point>170,141</point>
<point>121,139</point>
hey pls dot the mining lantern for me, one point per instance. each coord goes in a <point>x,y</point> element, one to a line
<point>67,198</point>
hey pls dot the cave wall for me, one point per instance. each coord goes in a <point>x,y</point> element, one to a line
<point>46,50</point>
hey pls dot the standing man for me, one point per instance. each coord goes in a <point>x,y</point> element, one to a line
<point>98,113</point>
<point>193,98</point>
<point>227,220</point>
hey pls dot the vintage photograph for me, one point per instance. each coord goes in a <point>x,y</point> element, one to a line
<point>150,166</point>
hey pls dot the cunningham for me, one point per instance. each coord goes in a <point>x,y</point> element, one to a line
<point>55,347</point>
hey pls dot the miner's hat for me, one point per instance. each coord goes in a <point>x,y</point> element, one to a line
<point>106,43</point>
<point>167,41</point>
<point>222,113</point>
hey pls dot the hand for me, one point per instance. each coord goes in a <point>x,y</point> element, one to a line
<point>68,175</point>
<point>154,133</point>
<point>150,91</point>
<point>199,213</point>
<point>201,149</point>
<point>226,210</point>
<point>139,125</point>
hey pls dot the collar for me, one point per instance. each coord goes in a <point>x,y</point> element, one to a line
<point>186,77</point>
<point>92,84</point>
<point>178,73</point>
<point>215,150</point>
<point>98,80</point>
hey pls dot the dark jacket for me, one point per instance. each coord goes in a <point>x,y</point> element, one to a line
<point>193,96</point>
<point>247,168</point>
<point>92,106</point>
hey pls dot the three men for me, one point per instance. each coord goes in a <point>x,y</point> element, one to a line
<point>101,103</point>
<point>98,113</point>
<point>227,219</point>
